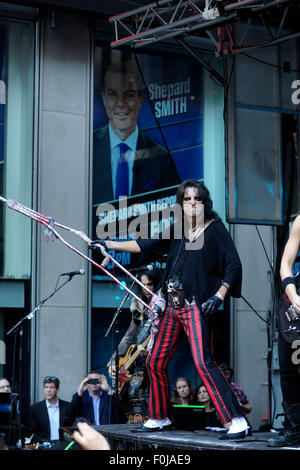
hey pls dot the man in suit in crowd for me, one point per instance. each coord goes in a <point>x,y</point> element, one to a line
<point>126,161</point>
<point>47,416</point>
<point>94,400</point>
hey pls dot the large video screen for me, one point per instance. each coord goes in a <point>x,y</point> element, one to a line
<point>148,137</point>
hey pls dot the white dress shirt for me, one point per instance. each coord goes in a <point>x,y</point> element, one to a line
<point>53,413</point>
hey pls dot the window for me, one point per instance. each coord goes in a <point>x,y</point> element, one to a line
<point>16,145</point>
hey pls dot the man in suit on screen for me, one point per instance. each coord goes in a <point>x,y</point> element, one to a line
<point>126,161</point>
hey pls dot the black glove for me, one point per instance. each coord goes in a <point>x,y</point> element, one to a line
<point>98,249</point>
<point>159,306</point>
<point>210,307</point>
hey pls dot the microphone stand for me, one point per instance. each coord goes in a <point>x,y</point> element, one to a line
<point>15,328</point>
<point>30,315</point>
<point>115,323</point>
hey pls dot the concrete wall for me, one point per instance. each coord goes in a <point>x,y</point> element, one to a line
<point>249,332</point>
<point>61,328</point>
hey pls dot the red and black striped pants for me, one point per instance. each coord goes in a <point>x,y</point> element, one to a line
<point>199,334</point>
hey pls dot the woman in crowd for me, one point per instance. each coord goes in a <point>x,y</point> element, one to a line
<point>201,397</point>
<point>183,392</point>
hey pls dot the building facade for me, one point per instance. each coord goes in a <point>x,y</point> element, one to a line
<point>50,109</point>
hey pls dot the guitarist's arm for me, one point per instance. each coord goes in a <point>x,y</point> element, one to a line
<point>142,349</point>
<point>128,339</point>
<point>287,262</point>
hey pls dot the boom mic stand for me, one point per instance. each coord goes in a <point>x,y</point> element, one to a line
<point>30,315</point>
<point>115,323</point>
<point>18,327</point>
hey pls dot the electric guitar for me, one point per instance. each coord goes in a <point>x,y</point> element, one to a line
<point>288,320</point>
<point>126,362</point>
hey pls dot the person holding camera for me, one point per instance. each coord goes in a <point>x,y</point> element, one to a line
<point>94,400</point>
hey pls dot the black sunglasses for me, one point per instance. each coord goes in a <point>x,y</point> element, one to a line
<point>52,378</point>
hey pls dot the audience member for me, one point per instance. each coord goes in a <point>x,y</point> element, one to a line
<point>237,390</point>
<point>139,330</point>
<point>9,409</point>
<point>183,392</point>
<point>3,445</point>
<point>5,386</point>
<point>201,397</point>
<point>90,439</point>
<point>47,416</point>
<point>94,400</point>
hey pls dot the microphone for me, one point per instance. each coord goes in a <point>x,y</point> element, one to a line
<point>74,273</point>
<point>149,267</point>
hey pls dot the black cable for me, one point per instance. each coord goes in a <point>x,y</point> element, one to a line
<point>270,357</point>
<point>269,339</point>
<point>264,248</point>
<point>214,74</point>
<point>153,111</point>
<point>13,380</point>
<point>270,343</point>
<point>14,362</point>
<point>256,313</point>
<point>268,63</point>
<point>226,89</point>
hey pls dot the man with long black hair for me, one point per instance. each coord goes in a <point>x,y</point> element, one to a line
<point>202,267</point>
<point>136,341</point>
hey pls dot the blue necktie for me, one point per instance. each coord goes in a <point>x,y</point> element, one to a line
<point>122,178</point>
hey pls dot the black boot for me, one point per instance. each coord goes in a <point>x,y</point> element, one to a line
<point>290,436</point>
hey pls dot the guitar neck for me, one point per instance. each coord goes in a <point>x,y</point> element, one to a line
<point>136,354</point>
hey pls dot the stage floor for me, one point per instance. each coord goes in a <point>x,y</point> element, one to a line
<point>120,437</point>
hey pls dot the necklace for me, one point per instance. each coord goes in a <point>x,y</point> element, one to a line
<point>198,230</point>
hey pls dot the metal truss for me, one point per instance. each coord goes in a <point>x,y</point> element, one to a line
<point>172,19</point>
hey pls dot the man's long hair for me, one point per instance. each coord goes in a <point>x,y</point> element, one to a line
<point>154,274</point>
<point>204,195</point>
